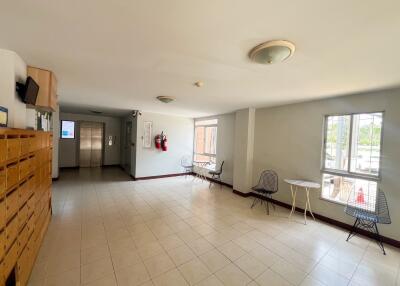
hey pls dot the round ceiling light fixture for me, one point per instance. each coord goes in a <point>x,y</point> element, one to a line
<point>199,83</point>
<point>165,99</point>
<point>272,52</point>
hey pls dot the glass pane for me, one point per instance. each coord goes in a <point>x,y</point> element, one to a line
<point>366,143</point>
<point>204,161</point>
<point>199,140</point>
<point>337,142</point>
<point>211,140</point>
<point>356,192</point>
<point>206,122</point>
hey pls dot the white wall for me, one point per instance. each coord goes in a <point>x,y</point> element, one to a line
<point>69,148</point>
<point>225,144</point>
<point>12,69</point>
<point>179,131</point>
<point>56,142</point>
<point>289,140</point>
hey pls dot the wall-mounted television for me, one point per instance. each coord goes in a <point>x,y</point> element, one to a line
<point>28,91</point>
<point>67,129</point>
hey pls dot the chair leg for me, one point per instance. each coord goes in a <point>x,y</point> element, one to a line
<point>352,229</point>
<point>267,203</point>
<point>254,203</point>
<point>379,239</point>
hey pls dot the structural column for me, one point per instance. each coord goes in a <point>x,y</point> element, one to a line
<point>243,150</point>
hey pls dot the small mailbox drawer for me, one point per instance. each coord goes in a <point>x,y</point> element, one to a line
<point>32,202</point>
<point>23,215</point>
<point>12,203</point>
<point>25,145</point>
<point>13,148</point>
<point>2,181</point>
<point>2,213</point>
<point>24,168</point>
<point>23,193</point>
<point>2,244</point>
<point>12,175</point>
<point>3,150</point>
<point>10,259</point>
<point>23,237</point>
<point>31,223</point>
<point>11,232</point>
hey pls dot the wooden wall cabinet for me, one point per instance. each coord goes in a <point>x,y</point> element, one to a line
<point>47,96</point>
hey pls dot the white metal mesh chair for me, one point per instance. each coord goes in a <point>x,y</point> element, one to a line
<point>187,164</point>
<point>216,175</point>
<point>368,212</point>
<point>267,185</point>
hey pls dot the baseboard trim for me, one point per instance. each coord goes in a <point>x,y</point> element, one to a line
<point>216,181</point>
<point>244,195</point>
<point>69,168</point>
<point>385,239</point>
<point>160,176</point>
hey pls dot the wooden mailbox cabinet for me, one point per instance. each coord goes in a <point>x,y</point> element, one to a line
<point>25,199</point>
<point>47,96</point>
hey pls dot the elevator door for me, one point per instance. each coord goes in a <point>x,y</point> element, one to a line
<point>91,144</point>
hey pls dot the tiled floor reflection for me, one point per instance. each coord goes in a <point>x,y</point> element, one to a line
<point>108,230</point>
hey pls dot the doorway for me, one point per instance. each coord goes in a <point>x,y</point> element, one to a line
<point>91,144</point>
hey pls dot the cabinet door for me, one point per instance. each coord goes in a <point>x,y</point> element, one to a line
<point>42,78</point>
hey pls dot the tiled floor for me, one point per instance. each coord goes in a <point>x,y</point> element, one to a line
<point>108,230</point>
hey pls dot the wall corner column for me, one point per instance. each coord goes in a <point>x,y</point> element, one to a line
<point>243,150</point>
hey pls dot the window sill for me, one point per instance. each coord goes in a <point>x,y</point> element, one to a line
<point>333,201</point>
<point>351,175</point>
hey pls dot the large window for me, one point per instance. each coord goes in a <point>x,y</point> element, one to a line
<point>205,144</point>
<point>351,158</point>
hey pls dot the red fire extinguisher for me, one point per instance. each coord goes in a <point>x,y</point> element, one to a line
<point>164,142</point>
<point>157,141</point>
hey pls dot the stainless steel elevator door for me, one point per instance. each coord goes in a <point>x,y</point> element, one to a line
<point>91,144</point>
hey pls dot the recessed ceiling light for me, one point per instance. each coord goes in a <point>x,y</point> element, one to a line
<point>199,83</point>
<point>165,99</point>
<point>272,52</point>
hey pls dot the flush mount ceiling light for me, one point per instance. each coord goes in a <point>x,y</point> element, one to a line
<point>165,99</point>
<point>95,111</point>
<point>272,52</point>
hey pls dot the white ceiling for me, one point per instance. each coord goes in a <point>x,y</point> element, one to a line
<point>120,54</point>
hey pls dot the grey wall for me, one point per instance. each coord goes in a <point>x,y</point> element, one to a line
<point>69,148</point>
<point>153,162</point>
<point>289,140</point>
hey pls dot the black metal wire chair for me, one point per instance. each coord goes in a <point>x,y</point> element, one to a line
<point>216,175</point>
<point>368,212</point>
<point>267,185</point>
<point>187,164</point>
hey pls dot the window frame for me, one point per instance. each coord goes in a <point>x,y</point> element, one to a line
<point>216,139</point>
<point>349,174</point>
